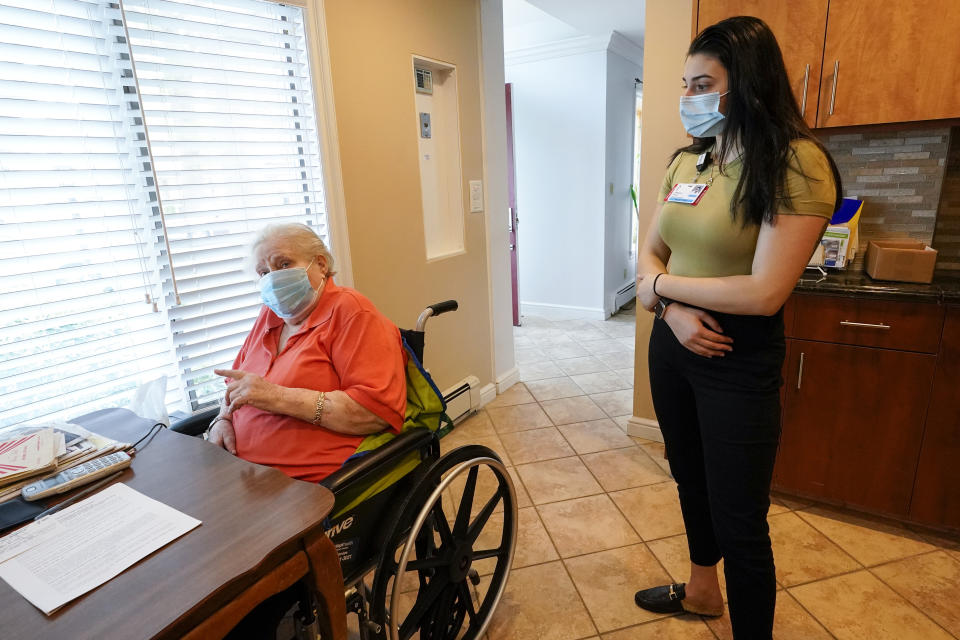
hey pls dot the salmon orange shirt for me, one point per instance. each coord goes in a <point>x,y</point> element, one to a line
<point>346,345</point>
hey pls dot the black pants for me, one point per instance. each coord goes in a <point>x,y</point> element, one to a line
<point>720,419</point>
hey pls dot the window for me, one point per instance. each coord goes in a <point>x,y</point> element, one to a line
<point>141,146</point>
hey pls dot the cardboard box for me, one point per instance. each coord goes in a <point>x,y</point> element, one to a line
<point>901,260</point>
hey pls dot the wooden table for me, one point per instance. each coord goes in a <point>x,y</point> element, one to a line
<point>261,532</point>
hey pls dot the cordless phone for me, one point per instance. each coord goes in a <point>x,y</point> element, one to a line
<point>76,476</point>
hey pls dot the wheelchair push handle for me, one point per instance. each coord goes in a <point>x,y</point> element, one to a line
<point>443,307</point>
<point>435,310</point>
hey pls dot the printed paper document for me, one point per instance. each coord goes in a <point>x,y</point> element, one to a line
<point>64,555</point>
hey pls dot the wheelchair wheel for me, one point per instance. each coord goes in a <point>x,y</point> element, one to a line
<point>437,548</point>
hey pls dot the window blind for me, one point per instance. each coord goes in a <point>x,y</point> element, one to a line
<point>127,128</point>
<point>76,267</point>
<point>226,93</point>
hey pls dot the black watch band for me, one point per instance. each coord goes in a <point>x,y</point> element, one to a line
<point>661,307</point>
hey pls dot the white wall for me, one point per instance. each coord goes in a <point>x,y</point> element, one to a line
<point>559,108</point>
<point>495,192</point>
<point>619,268</point>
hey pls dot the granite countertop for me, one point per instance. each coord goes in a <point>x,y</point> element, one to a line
<point>944,288</point>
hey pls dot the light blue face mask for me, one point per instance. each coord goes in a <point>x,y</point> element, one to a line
<point>701,115</point>
<point>287,292</point>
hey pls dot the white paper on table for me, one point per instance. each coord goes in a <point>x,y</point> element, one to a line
<point>13,544</point>
<point>87,544</point>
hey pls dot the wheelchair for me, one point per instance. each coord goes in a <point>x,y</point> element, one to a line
<point>412,526</point>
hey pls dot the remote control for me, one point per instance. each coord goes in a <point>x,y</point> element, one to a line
<point>76,476</point>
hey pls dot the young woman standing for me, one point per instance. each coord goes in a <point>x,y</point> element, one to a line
<point>742,210</point>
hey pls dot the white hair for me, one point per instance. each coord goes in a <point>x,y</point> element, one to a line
<point>301,240</point>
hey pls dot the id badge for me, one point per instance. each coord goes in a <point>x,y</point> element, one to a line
<point>687,193</point>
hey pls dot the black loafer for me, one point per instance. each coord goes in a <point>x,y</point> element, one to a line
<point>665,599</point>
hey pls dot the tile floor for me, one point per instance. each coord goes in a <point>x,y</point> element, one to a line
<point>599,518</point>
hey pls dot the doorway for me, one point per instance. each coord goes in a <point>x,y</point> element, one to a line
<point>635,188</point>
<point>512,208</point>
<point>572,121</point>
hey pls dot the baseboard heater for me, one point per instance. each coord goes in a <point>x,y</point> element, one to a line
<point>463,399</point>
<point>624,295</point>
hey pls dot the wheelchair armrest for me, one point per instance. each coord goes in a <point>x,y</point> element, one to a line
<point>372,463</point>
<point>195,424</point>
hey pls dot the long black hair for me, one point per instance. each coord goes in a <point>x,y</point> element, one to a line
<point>762,116</point>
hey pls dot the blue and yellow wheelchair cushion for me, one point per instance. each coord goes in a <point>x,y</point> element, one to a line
<point>425,408</point>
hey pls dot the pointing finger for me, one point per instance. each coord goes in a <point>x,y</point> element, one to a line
<point>236,374</point>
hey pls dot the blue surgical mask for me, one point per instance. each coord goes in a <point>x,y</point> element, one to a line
<point>701,115</point>
<point>287,292</point>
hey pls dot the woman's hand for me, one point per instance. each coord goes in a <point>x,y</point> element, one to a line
<point>645,295</point>
<point>221,434</point>
<point>341,413</point>
<point>687,324</point>
<point>249,389</point>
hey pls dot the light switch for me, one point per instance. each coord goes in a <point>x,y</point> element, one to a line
<point>476,196</point>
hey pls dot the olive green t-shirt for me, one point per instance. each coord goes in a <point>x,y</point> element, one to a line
<point>706,241</point>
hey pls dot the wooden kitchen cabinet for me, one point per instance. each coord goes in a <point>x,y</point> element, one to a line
<point>789,312</point>
<point>892,62</point>
<point>897,61</point>
<point>907,326</point>
<point>936,492</point>
<point>853,423</point>
<point>799,26</point>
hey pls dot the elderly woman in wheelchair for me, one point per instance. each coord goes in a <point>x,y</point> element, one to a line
<point>327,390</point>
<point>321,368</point>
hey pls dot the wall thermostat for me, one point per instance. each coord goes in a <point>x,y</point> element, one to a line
<point>424,80</point>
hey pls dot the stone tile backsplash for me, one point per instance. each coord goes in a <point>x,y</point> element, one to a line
<point>946,237</point>
<point>897,174</point>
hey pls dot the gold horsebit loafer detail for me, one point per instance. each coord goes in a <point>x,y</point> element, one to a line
<point>670,599</point>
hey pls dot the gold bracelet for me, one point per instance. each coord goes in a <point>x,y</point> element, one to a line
<point>318,413</point>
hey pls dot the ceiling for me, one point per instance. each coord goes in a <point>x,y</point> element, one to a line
<point>528,23</point>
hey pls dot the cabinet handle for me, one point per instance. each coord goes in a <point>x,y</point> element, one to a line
<point>833,92</point>
<point>800,374</point>
<point>864,325</point>
<point>806,83</point>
